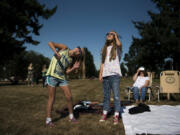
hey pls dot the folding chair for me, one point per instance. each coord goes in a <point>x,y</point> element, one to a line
<point>169,83</point>
<point>149,88</point>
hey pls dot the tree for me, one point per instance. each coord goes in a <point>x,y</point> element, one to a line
<point>38,60</point>
<point>160,39</point>
<point>123,69</point>
<point>17,67</point>
<point>89,64</point>
<point>19,21</point>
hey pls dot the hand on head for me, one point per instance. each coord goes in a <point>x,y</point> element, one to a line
<point>138,70</point>
<point>114,33</point>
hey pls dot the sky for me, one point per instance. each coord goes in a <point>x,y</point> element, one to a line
<point>85,23</point>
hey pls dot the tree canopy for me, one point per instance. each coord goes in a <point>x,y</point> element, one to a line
<point>159,39</point>
<point>19,21</point>
<point>89,64</point>
<point>17,67</point>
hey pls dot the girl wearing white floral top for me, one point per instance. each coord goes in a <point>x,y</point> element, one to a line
<point>110,73</point>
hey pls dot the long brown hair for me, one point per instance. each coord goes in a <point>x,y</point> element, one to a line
<point>78,58</point>
<point>113,50</point>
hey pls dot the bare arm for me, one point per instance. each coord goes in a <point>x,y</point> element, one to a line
<point>75,66</point>
<point>146,84</point>
<point>118,42</point>
<point>53,46</point>
<point>135,76</point>
<point>100,73</point>
<point>69,70</point>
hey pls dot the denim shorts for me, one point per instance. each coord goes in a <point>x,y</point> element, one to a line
<point>54,82</point>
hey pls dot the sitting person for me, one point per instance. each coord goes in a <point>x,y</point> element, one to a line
<point>141,82</point>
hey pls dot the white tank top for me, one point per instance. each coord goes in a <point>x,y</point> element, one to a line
<point>112,67</point>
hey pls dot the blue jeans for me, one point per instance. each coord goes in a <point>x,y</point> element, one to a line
<point>136,93</point>
<point>111,82</point>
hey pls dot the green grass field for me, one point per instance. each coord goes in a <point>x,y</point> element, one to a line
<point>23,110</point>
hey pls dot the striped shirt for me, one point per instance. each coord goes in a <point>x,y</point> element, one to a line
<point>57,67</point>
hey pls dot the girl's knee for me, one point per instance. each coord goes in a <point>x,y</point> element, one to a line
<point>144,89</point>
<point>51,95</point>
<point>69,98</point>
<point>51,99</point>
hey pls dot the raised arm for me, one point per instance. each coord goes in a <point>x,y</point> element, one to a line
<point>135,75</point>
<point>53,46</point>
<point>58,46</point>
<point>118,42</point>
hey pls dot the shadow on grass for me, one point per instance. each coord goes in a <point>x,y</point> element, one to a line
<point>91,109</point>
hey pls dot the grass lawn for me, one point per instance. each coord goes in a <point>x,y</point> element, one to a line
<point>23,110</point>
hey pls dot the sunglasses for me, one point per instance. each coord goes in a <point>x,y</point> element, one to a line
<point>109,34</point>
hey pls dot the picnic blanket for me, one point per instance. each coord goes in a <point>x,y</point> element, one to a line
<point>163,119</point>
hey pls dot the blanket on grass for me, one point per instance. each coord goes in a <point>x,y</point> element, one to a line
<point>163,119</point>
